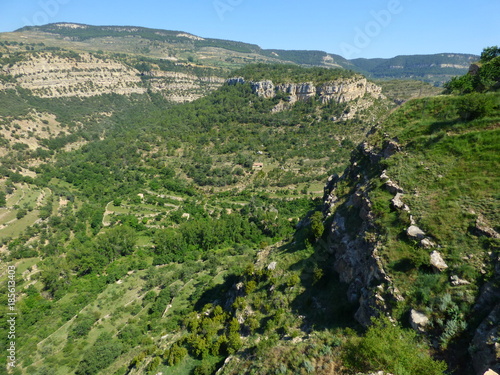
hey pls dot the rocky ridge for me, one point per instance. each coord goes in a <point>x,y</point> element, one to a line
<point>49,75</point>
<point>345,90</point>
<point>355,247</point>
<point>53,75</point>
<point>352,240</point>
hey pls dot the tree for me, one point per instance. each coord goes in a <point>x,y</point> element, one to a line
<point>119,241</point>
<point>104,351</point>
<point>21,213</point>
<point>81,327</point>
<point>317,226</point>
<point>175,355</point>
<point>489,53</point>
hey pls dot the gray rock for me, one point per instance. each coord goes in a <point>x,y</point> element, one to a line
<point>438,262</point>
<point>484,355</point>
<point>393,187</point>
<point>426,243</point>
<point>391,148</point>
<point>264,89</point>
<point>397,202</point>
<point>235,80</point>
<point>298,91</point>
<point>418,320</point>
<point>384,176</point>
<point>456,281</point>
<point>415,233</point>
<point>484,229</point>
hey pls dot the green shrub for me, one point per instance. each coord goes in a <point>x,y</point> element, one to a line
<point>388,347</point>
<point>473,106</point>
<point>21,213</point>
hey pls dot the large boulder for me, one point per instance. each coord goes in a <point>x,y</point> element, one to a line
<point>415,233</point>
<point>438,262</point>
<point>418,320</point>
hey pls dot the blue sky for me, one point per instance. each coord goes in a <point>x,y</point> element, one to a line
<point>356,28</point>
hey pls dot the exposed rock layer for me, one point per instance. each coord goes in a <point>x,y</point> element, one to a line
<point>342,90</point>
<point>52,75</point>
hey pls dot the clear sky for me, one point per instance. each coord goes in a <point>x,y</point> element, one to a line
<point>355,28</point>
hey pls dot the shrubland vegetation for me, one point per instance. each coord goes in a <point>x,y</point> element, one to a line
<point>483,76</point>
<point>286,73</point>
<point>158,245</point>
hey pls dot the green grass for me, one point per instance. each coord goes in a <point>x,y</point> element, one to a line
<point>449,171</point>
<point>16,227</point>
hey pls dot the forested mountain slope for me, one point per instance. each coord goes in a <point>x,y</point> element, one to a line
<point>185,48</point>
<point>150,237</point>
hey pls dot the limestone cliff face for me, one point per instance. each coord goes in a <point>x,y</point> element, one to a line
<point>345,90</point>
<point>49,75</point>
<point>341,90</point>
<point>181,87</point>
<point>298,91</point>
<point>52,75</point>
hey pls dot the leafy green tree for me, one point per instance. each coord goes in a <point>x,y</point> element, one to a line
<point>118,241</point>
<point>104,351</point>
<point>21,213</point>
<point>175,354</point>
<point>489,53</point>
<point>205,368</point>
<point>317,226</point>
<point>81,327</point>
<point>130,335</point>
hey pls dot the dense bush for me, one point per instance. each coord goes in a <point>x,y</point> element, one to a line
<point>388,347</point>
<point>486,76</point>
<point>474,105</point>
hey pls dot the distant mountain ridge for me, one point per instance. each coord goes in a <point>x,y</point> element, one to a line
<point>179,45</point>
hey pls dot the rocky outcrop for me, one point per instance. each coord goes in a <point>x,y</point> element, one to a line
<point>181,87</point>
<point>457,281</point>
<point>347,90</point>
<point>418,320</point>
<point>437,262</point>
<point>50,75</point>
<point>64,74</point>
<point>344,90</point>
<point>264,89</point>
<point>483,228</point>
<point>415,233</point>
<point>298,92</point>
<point>485,346</point>
<point>354,246</point>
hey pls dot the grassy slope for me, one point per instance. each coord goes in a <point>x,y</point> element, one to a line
<point>448,169</point>
<point>297,300</point>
